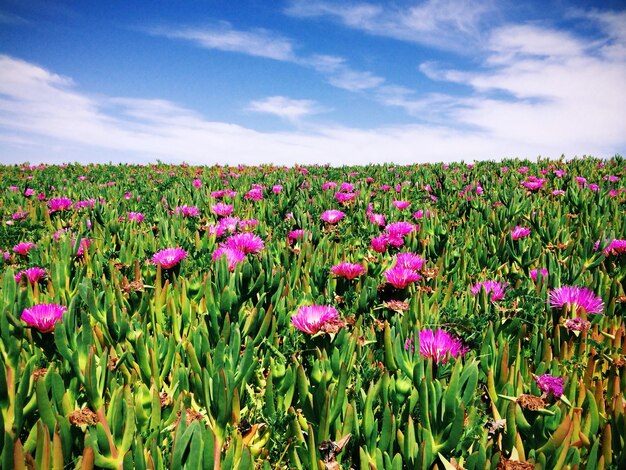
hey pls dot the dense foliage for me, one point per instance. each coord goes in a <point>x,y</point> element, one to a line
<point>424,316</point>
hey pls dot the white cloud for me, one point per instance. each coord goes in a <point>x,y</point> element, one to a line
<point>286,108</point>
<point>67,125</point>
<point>257,42</point>
<point>447,24</point>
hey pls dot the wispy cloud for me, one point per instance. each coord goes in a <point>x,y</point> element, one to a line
<point>222,36</point>
<point>11,18</point>
<point>286,108</point>
<point>446,24</point>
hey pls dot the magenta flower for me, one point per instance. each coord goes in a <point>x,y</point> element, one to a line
<point>438,344</point>
<point>222,209</point>
<point>277,188</point>
<point>401,204</point>
<point>299,234</point>
<point>614,248</point>
<point>400,229</point>
<point>534,273</point>
<point>550,384</point>
<point>59,204</point>
<point>344,198</point>
<point>329,185</point>
<point>378,219</point>
<point>410,261</point>
<point>188,211</point>
<point>233,256</point>
<point>346,187</point>
<point>197,184</point>
<point>33,275</point>
<point>255,194</point>
<point>533,183</point>
<point>332,216</point>
<point>421,214</point>
<point>519,232</point>
<point>310,319</point>
<point>246,242</point>
<point>84,245</point>
<point>135,216</point>
<point>495,288</point>
<point>24,247</point>
<point>169,257</point>
<point>348,270</point>
<point>578,298</point>
<point>400,277</point>
<point>43,317</point>
<point>379,243</point>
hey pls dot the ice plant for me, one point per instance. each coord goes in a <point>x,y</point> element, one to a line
<point>188,211</point>
<point>550,384</point>
<point>379,243</point>
<point>246,242</point>
<point>519,232</point>
<point>332,216</point>
<point>169,257</point>
<point>59,204</point>
<point>310,319</point>
<point>233,256</point>
<point>439,344</point>
<point>33,275</point>
<point>348,270</point>
<point>24,247</point>
<point>299,234</point>
<point>135,216</point>
<point>410,261</point>
<point>495,288</point>
<point>534,273</point>
<point>577,324</point>
<point>222,209</point>
<point>43,317</point>
<point>400,277</point>
<point>578,298</point>
<point>401,204</point>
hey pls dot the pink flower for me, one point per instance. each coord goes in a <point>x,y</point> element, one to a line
<point>43,317</point>
<point>344,198</point>
<point>400,229</point>
<point>33,275</point>
<point>400,277</point>
<point>29,192</point>
<point>188,211</point>
<point>346,187</point>
<point>222,209</point>
<point>233,256</point>
<point>246,242</point>
<point>495,288</point>
<point>329,185</point>
<point>59,204</point>
<point>197,183</point>
<point>420,214</point>
<point>24,247</point>
<point>578,298</point>
<point>255,194</point>
<point>277,188</point>
<point>348,270</point>
<point>332,216</point>
<point>533,183</point>
<point>84,245</point>
<point>310,319</point>
<point>550,384</point>
<point>534,273</point>
<point>378,219</point>
<point>438,345</point>
<point>558,192</point>
<point>299,234</point>
<point>401,204</point>
<point>169,257</point>
<point>615,248</point>
<point>135,216</point>
<point>410,261</point>
<point>519,232</point>
<point>379,243</point>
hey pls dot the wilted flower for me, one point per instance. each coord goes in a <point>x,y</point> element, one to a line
<point>577,324</point>
<point>400,277</point>
<point>550,384</point>
<point>246,242</point>
<point>348,270</point>
<point>43,317</point>
<point>169,257</point>
<point>233,256</point>
<point>579,298</point>
<point>519,232</point>
<point>332,216</point>
<point>24,247</point>
<point>310,319</point>
<point>59,204</point>
<point>439,344</point>
<point>222,209</point>
<point>33,274</point>
<point>495,288</point>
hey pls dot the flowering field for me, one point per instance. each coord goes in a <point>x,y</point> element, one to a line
<point>375,317</point>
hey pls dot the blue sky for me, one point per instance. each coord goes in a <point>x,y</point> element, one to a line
<point>310,81</point>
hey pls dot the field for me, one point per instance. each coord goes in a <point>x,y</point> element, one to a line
<point>375,317</point>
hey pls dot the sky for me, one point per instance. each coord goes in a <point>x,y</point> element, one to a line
<point>310,81</point>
